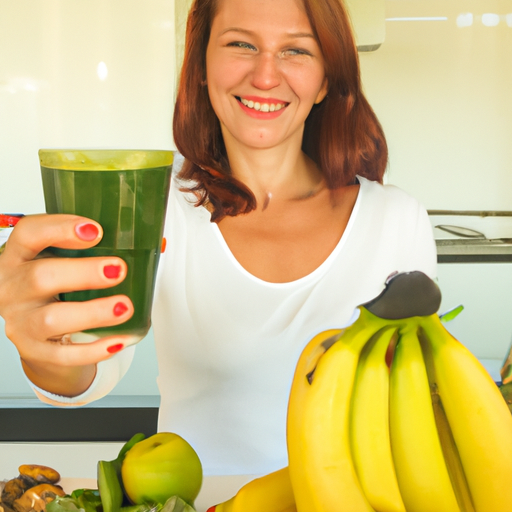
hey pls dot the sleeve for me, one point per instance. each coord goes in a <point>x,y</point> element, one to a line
<point>402,225</point>
<point>108,374</point>
<point>422,247</point>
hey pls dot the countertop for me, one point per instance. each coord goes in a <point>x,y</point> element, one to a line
<point>76,462</point>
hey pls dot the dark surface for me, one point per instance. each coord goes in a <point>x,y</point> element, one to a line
<point>110,419</point>
<point>72,425</point>
<point>474,258</point>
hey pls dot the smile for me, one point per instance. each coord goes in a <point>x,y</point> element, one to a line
<point>260,106</point>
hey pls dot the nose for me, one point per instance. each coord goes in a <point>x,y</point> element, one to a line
<point>266,73</point>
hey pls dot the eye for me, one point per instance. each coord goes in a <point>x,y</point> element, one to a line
<point>241,44</point>
<point>296,51</point>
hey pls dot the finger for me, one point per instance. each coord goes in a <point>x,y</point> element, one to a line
<point>48,277</point>
<point>34,233</point>
<point>53,353</point>
<point>58,318</point>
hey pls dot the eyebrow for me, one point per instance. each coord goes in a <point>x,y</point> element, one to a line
<point>292,35</point>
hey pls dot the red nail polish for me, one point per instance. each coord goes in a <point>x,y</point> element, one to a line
<point>162,250</point>
<point>120,308</point>
<point>87,231</point>
<point>112,271</point>
<point>115,348</point>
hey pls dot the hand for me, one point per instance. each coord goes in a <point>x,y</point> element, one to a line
<point>34,318</point>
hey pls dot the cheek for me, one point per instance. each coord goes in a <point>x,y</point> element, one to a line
<point>309,90</point>
<point>221,76</point>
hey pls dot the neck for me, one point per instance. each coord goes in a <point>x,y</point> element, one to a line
<point>275,174</point>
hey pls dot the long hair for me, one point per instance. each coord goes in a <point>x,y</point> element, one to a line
<point>342,134</point>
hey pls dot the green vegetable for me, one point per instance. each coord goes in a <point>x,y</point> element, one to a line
<point>87,500</point>
<point>110,484</point>
<point>176,504</point>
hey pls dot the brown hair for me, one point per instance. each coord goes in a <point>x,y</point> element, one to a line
<point>342,134</point>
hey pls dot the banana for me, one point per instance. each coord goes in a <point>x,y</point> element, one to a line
<point>321,467</point>
<point>450,451</point>
<point>420,466</point>
<point>451,455</point>
<point>271,493</point>
<point>370,441</point>
<point>477,415</point>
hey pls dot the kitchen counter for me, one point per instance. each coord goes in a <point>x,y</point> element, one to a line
<point>76,462</point>
<point>472,236</point>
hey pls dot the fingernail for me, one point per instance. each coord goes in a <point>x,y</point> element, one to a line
<point>120,308</point>
<point>112,271</point>
<point>87,231</point>
<point>115,348</point>
<point>164,245</point>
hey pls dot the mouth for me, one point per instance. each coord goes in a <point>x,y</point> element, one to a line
<point>262,106</point>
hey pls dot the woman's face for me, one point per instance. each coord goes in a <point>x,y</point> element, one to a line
<point>264,71</point>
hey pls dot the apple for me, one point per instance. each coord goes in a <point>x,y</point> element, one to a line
<point>159,467</point>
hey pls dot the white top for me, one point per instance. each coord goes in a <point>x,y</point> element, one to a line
<point>228,342</point>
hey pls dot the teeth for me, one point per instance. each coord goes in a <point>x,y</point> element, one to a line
<point>262,107</point>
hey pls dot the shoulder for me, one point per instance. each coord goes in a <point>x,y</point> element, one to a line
<point>398,221</point>
<point>388,207</point>
<point>387,194</point>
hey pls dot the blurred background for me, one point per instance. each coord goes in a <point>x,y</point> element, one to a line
<point>102,74</point>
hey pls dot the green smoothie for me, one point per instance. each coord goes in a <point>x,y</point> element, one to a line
<point>126,192</point>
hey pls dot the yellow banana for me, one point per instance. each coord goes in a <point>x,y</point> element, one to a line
<point>269,493</point>
<point>320,460</point>
<point>478,417</point>
<point>419,462</point>
<point>450,451</point>
<point>451,455</point>
<point>369,428</point>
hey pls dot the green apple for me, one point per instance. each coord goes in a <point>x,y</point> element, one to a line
<point>159,467</point>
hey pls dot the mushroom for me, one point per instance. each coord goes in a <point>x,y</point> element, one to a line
<point>41,474</point>
<point>14,489</point>
<point>5,508</point>
<point>36,498</point>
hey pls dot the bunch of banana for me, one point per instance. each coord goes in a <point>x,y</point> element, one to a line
<point>391,414</point>
<point>395,415</point>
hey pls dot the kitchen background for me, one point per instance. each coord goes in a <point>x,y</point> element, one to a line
<point>102,73</point>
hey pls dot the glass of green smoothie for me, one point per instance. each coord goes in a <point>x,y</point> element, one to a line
<point>126,192</point>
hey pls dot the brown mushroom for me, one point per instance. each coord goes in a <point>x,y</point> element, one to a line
<point>13,490</point>
<point>36,498</point>
<point>5,508</point>
<point>42,474</point>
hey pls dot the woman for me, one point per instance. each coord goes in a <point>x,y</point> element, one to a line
<point>278,227</point>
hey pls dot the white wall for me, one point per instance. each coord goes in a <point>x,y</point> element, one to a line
<point>442,93</point>
<point>54,91</point>
<point>53,94</point>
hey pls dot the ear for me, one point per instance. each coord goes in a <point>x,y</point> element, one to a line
<point>322,93</point>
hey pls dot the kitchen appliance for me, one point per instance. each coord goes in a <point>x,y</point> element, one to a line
<point>474,251</point>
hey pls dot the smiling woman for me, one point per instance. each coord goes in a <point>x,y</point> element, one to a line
<point>277,225</point>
